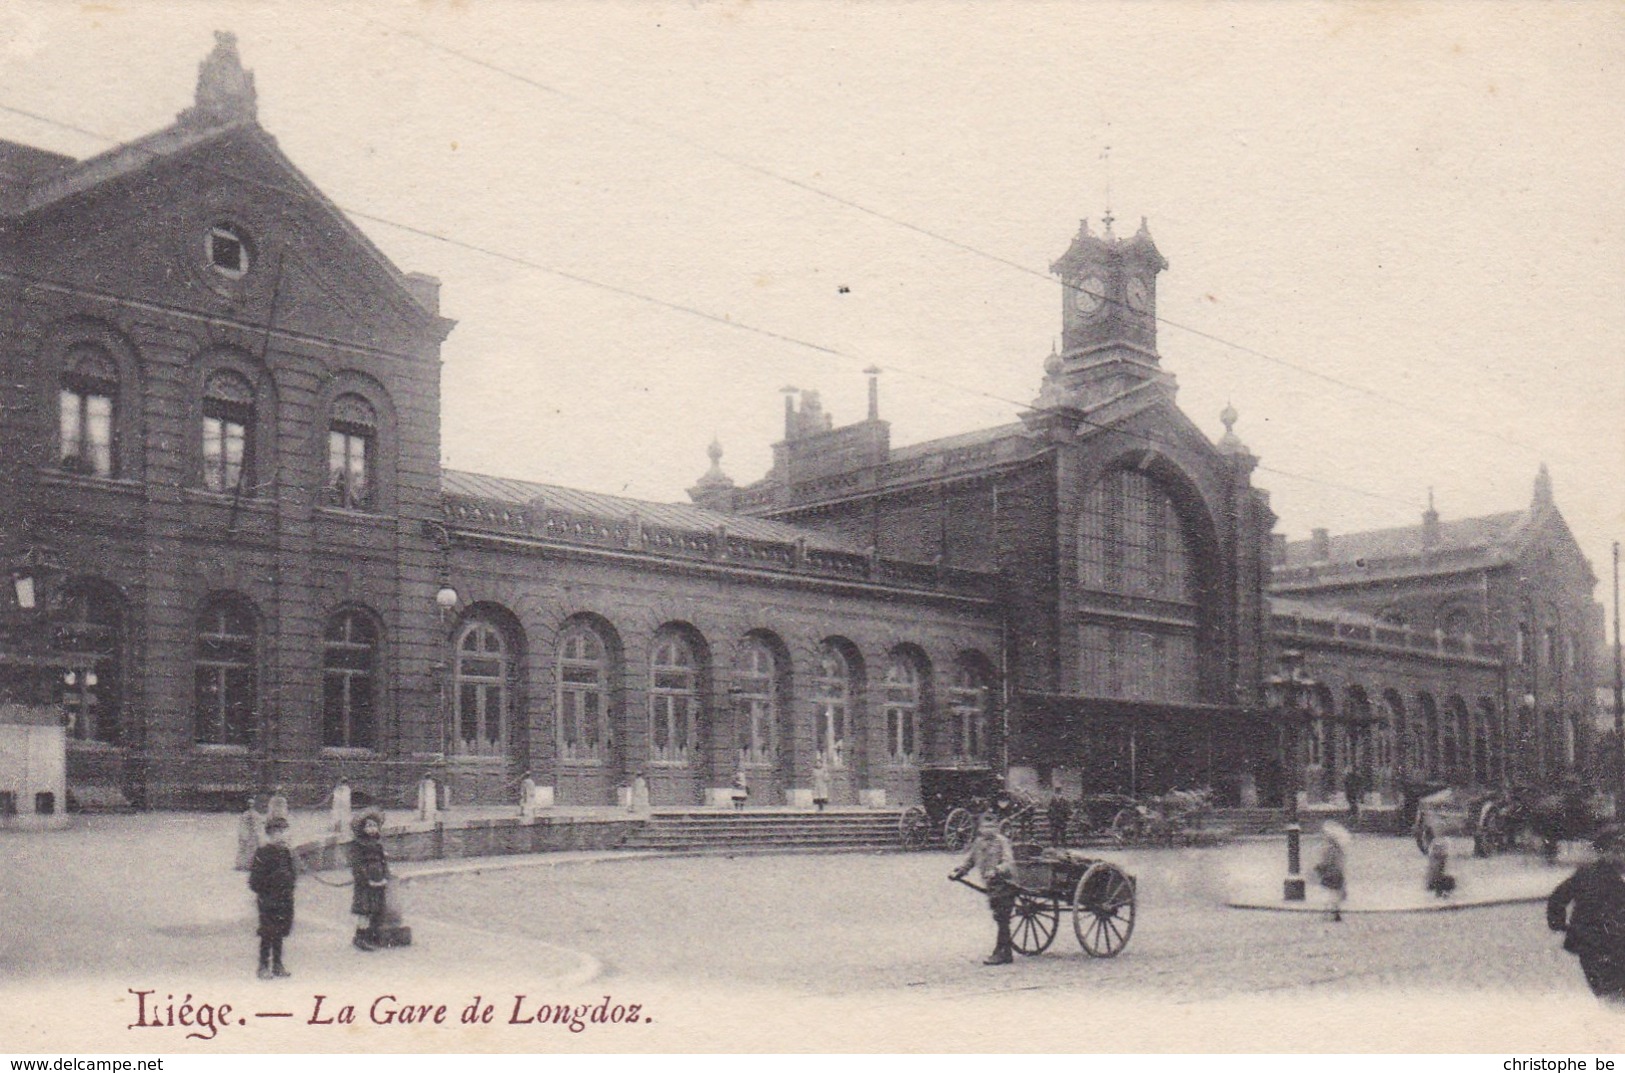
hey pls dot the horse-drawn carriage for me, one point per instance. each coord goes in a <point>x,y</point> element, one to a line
<point>953,798</point>
<point>1498,821</point>
<point>1098,895</point>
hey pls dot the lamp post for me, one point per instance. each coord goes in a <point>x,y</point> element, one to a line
<point>1288,693</point>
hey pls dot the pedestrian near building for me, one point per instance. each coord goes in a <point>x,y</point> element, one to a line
<point>369,868</point>
<point>1060,818</point>
<point>1589,907</point>
<point>1354,790</point>
<point>820,783</point>
<point>1332,868</point>
<point>639,802</point>
<point>277,807</point>
<point>995,861</point>
<point>272,878</point>
<point>1437,877</point>
<point>338,821</point>
<point>741,789</point>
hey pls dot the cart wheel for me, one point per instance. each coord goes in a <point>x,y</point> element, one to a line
<point>1033,924</point>
<point>1126,825</point>
<point>958,829</point>
<point>1103,910</point>
<point>913,829</point>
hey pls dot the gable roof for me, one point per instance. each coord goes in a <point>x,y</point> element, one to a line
<point>1492,534</point>
<point>683,517</point>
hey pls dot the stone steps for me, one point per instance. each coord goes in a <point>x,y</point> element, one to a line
<point>769,829</point>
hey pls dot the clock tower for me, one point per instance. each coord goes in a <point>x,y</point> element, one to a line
<point>1108,315</point>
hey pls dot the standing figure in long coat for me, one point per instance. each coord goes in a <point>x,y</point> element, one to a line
<point>272,877</point>
<point>1595,926</point>
<point>370,870</point>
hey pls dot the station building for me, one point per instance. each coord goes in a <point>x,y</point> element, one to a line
<point>224,443</point>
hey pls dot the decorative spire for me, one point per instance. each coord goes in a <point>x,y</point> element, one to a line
<point>1230,443</point>
<point>1430,524</point>
<point>873,373</point>
<point>1543,487</point>
<point>225,92</point>
<point>714,490</point>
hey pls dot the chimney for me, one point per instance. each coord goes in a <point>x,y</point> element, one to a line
<point>1277,549</point>
<point>1320,545</point>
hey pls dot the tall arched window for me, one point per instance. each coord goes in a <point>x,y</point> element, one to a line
<point>1132,541</point>
<point>352,439</point>
<point>228,430</point>
<point>674,699</point>
<point>89,630</point>
<point>224,689</point>
<point>481,676</point>
<point>832,687</point>
<point>349,682</point>
<point>583,730</point>
<point>902,687</point>
<point>756,688</point>
<point>967,707</point>
<point>88,402</point>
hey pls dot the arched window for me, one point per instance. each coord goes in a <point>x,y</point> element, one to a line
<point>88,629</point>
<point>583,695</point>
<point>902,688</point>
<point>349,682</point>
<point>352,439</point>
<point>224,693</point>
<point>832,686</point>
<point>674,699</point>
<point>756,688</point>
<point>481,676</point>
<point>1131,540</point>
<point>88,402</point>
<point>967,706</point>
<point>228,430</point>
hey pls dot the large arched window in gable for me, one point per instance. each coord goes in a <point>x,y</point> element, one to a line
<point>1132,541</point>
<point>225,682</point>
<point>350,681</point>
<point>88,401</point>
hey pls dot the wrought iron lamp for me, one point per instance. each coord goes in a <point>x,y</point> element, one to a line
<point>1288,693</point>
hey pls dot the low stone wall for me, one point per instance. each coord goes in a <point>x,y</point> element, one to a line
<point>442,840</point>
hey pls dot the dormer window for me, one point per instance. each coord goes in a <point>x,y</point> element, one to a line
<point>228,251</point>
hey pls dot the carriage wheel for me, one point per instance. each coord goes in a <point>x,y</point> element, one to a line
<point>958,829</point>
<point>1126,826</point>
<point>1103,910</point>
<point>1033,924</point>
<point>913,828</point>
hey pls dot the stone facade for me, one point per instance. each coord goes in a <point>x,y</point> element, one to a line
<point>225,441</point>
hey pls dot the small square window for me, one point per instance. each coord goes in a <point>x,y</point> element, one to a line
<point>228,252</point>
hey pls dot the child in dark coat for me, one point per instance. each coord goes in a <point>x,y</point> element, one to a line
<point>370,870</point>
<point>272,877</point>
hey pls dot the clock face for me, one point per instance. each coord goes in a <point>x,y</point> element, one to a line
<point>1088,294</point>
<point>1139,295</point>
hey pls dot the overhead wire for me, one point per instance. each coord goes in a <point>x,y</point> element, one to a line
<point>695,311</point>
<point>818,191</point>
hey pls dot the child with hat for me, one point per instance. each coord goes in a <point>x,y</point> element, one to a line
<point>271,877</point>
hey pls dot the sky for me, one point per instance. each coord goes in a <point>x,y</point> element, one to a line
<point>1395,236</point>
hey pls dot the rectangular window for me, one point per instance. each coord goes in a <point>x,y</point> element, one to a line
<point>225,443</point>
<point>86,432</point>
<point>348,469</point>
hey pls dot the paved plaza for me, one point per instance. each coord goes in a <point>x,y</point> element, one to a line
<point>800,951</point>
